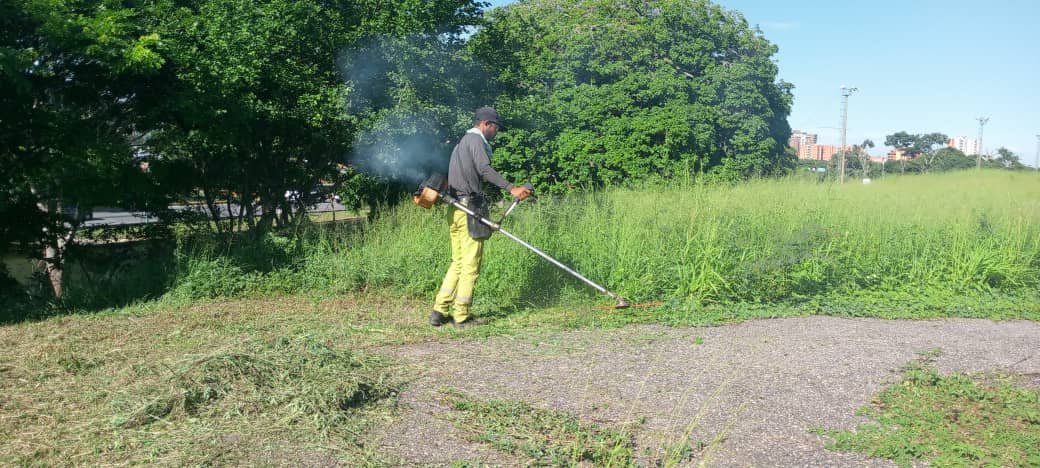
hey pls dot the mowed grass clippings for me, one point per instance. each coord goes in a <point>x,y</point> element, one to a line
<point>948,420</point>
<point>249,382</point>
<point>542,437</point>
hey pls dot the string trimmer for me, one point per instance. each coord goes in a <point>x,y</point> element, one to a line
<point>433,190</point>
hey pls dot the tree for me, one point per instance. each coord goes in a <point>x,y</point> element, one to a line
<point>948,159</point>
<point>920,147</point>
<point>260,102</point>
<point>69,73</point>
<point>238,100</point>
<point>927,149</point>
<point>604,91</point>
<point>1006,159</point>
<point>864,157</point>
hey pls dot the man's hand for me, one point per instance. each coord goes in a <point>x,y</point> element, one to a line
<point>520,191</point>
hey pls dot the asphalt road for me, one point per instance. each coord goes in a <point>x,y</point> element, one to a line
<point>751,392</point>
<point>116,217</point>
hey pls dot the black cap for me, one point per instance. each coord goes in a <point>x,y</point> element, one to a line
<point>487,114</point>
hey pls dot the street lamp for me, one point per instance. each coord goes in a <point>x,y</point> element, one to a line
<point>845,92</point>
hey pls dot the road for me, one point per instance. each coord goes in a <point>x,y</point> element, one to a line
<point>117,217</point>
<point>747,394</point>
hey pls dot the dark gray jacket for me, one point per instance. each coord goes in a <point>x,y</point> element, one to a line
<point>471,163</point>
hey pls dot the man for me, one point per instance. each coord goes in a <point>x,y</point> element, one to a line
<point>470,166</point>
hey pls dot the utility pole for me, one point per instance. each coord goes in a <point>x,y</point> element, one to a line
<point>978,155</point>
<point>1037,166</point>
<point>845,92</point>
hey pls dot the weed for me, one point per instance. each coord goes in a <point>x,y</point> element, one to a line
<point>762,242</point>
<point>951,420</point>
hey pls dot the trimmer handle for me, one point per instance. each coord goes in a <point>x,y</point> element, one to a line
<point>516,201</point>
<point>531,188</point>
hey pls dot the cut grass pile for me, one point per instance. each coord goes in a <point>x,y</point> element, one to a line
<point>278,381</point>
<point>214,384</point>
<point>541,437</point>
<point>544,437</point>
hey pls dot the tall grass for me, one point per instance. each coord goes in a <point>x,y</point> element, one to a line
<point>919,238</point>
<point>764,241</point>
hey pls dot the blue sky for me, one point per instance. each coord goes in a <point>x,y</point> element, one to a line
<point>920,65</point>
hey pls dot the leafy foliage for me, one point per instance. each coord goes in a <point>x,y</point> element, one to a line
<point>259,103</point>
<point>1007,159</point>
<point>69,74</point>
<point>920,147</point>
<point>232,102</point>
<point>601,92</point>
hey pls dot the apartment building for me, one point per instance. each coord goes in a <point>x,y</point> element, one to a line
<point>964,144</point>
<point>817,152</point>
<point>800,139</point>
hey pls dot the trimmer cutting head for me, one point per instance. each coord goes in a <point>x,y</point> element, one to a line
<point>621,303</point>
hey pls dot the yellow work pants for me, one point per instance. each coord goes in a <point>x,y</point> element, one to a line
<point>457,288</point>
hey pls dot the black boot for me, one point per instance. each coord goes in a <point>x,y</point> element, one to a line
<point>437,319</point>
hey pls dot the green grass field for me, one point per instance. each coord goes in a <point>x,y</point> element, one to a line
<point>771,241</point>
<point>262,354</point>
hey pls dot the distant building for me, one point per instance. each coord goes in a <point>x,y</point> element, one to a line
<point>817,152</point>
<point>800,139</point>
<point>964,144</point>
<point>897,155</point>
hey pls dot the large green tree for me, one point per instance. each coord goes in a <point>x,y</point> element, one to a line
<point>239,101</point>
<point>69,76</point>
<point>948,159</point>
<point>606,91</point>
<point>263,96</point>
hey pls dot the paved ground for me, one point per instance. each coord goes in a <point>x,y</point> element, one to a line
<point>756,387</point>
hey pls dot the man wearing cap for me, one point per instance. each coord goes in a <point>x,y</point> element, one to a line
<point>470,166</point>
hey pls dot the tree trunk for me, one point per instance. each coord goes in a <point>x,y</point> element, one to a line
<point>55,264</point>
<point>54,249</point>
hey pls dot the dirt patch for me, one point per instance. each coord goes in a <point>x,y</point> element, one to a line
<point>747,393</point>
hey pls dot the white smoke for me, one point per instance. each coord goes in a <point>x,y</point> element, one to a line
<point>400,142</point>
<point>407,157</point>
